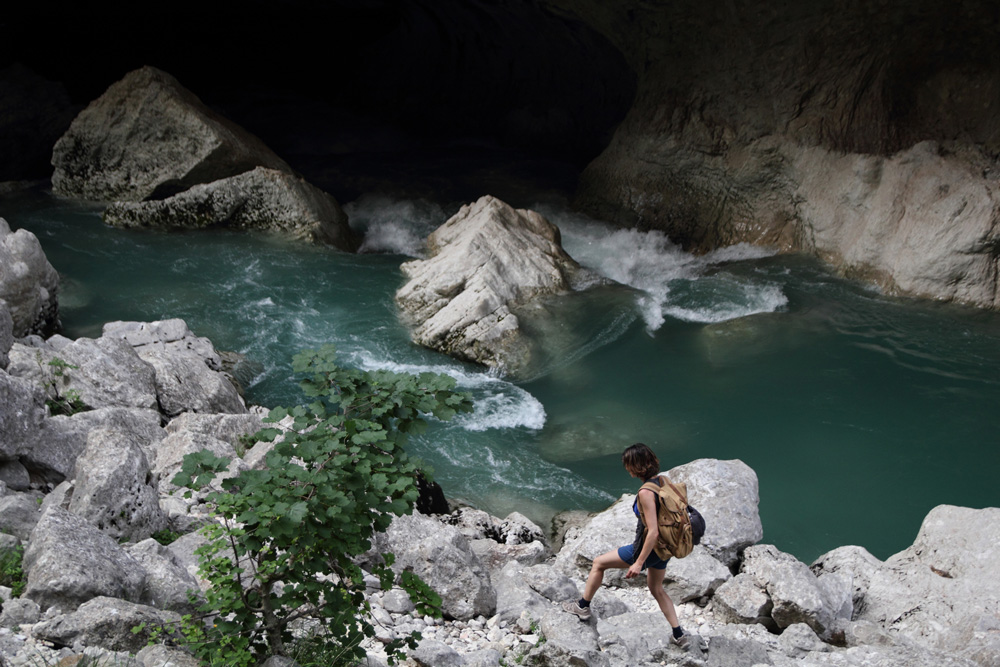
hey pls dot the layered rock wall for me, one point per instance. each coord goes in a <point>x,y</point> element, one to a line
<point>802,126</point>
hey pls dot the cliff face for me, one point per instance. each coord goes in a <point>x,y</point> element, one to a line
<point>866,133</point>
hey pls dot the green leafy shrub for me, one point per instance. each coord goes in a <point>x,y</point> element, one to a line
<point>11,574</point>
<point>288,535</point>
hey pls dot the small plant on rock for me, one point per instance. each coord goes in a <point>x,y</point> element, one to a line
<point>67,402</point>
<point>288,536</point>
<point>11,574</point>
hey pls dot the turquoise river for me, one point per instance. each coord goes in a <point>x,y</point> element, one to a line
<point>858,412</point>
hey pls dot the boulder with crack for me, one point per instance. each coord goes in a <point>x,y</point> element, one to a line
<point>485,262</point>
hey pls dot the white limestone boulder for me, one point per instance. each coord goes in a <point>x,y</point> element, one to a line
<point>188,370</point>
<point>798,596</point>
<point>22,412</point>
<point>442,557</point>
<point>726,494</point>
<point>147,137</point>
<point>29,285</point>
<point>167,580</point>
<point>106,622</point>
<point>103,372</point>
<point>943,591</point>
<point>484,263</point>
<point>68,561</point>
<point>114,488</point>
<point>261,199</point>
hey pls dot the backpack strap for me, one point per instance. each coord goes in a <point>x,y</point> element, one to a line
<point>655,488</point>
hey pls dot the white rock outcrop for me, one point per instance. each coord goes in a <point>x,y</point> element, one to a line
<point>28,283</point>
<point>484,263</point>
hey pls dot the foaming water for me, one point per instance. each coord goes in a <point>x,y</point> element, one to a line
<point>673,283</point>
<point>816,383</point>
<point>392,225</point>
<point>498,404</point>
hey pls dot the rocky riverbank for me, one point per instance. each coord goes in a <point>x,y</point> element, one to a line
<point>84,492</point>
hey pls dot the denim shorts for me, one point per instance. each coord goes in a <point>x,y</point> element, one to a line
<point>654,562</point>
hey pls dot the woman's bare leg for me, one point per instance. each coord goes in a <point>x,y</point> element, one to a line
<point>608,561</point>
<point>654,579</point>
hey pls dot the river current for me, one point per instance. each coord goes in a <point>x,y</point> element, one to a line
<point>858,412</point>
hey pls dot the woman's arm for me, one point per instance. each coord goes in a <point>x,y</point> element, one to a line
<point>647,505</point>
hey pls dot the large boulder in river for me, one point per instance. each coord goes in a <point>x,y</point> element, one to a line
<point>28,283</point>
<point>261,199</point>
<point>485,262</point>
<point>149,137</point>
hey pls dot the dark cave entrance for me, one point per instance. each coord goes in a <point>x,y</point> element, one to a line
<point>445,99</point>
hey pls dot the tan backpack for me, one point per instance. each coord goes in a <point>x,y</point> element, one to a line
<point>676,538</point>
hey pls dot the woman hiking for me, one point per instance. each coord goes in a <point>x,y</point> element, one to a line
<point>640,462</point>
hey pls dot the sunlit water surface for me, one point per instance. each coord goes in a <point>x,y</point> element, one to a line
<point>858,412</point>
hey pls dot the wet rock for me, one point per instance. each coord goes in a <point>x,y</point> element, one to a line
<point>114,488</point>
<point>261,199</point>
<point>149,137</point>
<point>485,262</point>
<point>28,283</point>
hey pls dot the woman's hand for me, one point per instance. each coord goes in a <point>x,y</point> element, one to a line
<point>634,570</point>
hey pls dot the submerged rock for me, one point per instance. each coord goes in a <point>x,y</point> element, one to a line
<point>261,199</point>
<point>149,137</point>
<point>485,262</point>
<point>28,283</point>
